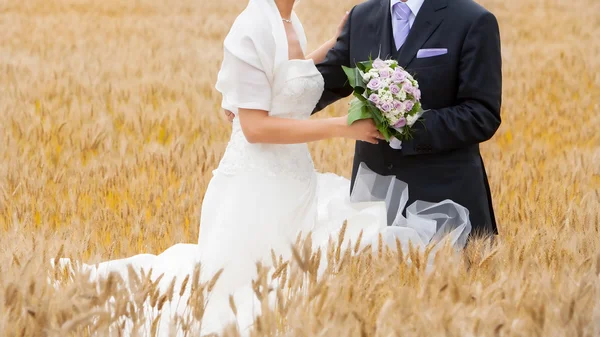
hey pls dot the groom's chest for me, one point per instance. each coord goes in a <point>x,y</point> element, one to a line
<point>370,42</point>
<point>437,74</point>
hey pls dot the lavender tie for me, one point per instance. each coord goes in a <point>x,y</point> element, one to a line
<point>401,23</point>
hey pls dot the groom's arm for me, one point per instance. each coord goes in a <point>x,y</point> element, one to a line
<point>336,82</point>
<point>477,116</point>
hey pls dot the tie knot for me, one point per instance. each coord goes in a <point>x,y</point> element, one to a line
<point>401,11</point>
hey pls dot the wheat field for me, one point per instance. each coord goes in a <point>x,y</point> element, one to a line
<point>110,128</point>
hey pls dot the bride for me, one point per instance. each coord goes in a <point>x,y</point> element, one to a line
<point>265,190</point>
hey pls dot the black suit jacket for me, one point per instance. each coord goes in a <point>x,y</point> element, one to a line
<point>462,89</point>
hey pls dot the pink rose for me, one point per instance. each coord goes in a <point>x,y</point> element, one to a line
<point>398,76</point>
<point>394,89</point>
<point>416,93</point>
<point>374,98</point>
<point>387,107</point>
<point>398,105</point>
<point>409,105</point>
<point>385,73</point>
<point>374,84</point>
<point>400,123</point>
<point>379,64</point>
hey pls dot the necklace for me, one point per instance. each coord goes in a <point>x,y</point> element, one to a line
<point>286,20</point>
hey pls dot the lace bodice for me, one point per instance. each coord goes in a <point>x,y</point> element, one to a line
<point>298,85</point>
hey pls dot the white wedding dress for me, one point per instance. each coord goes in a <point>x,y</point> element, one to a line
<point>262,196</point>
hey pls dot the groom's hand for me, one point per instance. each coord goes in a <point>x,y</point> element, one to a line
<point>229,115</point>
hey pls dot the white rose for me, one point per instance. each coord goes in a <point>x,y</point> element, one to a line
<point>391,63</point>
<point>388,97</point>
<point>402,95</point>
<point>412,119</point>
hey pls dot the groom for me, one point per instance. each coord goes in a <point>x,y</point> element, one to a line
<point>452,48</point>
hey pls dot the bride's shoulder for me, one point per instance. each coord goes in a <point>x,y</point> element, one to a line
<point>248,25</point>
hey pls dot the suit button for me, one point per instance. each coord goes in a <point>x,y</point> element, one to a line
<point>390,166</point>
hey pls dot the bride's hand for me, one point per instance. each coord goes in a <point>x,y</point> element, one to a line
<point>319,55</point>
<point>229,115</point>
<point>364,130</point>
<point>340,27</point>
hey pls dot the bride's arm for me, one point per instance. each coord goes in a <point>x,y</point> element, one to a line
<point>259,127</point>
<point>318,55</point>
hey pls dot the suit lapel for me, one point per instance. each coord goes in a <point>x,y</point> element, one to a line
<point>383,31</point>
<point>430,16</point>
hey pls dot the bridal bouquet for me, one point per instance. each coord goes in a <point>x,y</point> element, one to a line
<point>389,95</point>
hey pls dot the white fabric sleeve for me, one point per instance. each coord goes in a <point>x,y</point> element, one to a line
<point>242,79</point>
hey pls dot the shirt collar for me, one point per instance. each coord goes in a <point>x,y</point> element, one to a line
<point>414,5</point>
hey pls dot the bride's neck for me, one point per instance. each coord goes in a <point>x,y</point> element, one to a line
<point>285,8</point>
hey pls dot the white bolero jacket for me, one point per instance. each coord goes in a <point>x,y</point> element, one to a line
<point>253,49</point>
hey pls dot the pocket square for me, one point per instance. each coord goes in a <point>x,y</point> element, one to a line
<point>424,53</point>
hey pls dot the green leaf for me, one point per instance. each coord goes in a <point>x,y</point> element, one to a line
<point>375,113</point>
<point>358,110</point>
<point>359,95</point>
<point>385,131</point>
<point>362,66</point>
<point>365,66</point>
<point>359,81</point>
<point>351,74</point>
<point>360,91</point>
<point>416,108</point>
<point>354,78</point>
